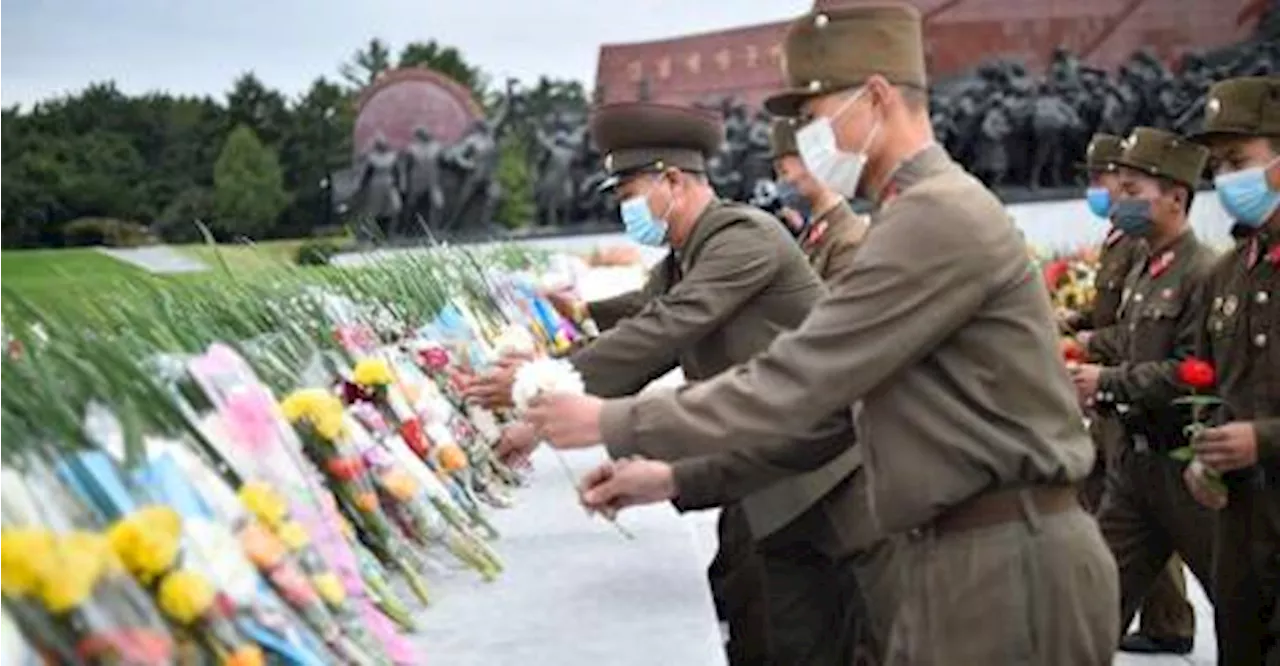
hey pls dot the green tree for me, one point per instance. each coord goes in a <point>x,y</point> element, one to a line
<point>248,186</point>
<point>367,64</point>
<point>446,60</point>
<point>516,180</point>
<point>317,143</point>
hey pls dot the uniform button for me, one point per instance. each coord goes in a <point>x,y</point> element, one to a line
<point>1137,297</point>
<point>1133,327</point>
<point>1260,340</point>
<point>1261,298</point>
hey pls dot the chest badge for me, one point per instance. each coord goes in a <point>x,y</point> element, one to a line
<point>1229,306</point>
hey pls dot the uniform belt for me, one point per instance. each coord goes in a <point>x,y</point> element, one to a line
<point>1005,506</point>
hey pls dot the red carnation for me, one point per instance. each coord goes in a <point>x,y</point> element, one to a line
<point>411,432</point>
<point>1055,272</point>
<point>1073,351</point>
<point>346,468</point>
<point>434,359</point>
<point>1196,373</point>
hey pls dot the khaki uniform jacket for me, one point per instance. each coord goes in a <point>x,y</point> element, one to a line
<point>941,329</point>
<point>833,238</point>
<point>735,286</point>
<point>1161,310</point>
<point>1241,337</point>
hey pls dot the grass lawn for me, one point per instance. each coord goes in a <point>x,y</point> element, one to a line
<point>244,257</point>
<point>51,268</point>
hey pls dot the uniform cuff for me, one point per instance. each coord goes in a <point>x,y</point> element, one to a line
<point>1267,432</point>
<point>617,427</point>
<point>695,485</point>
<point>1109,387</point>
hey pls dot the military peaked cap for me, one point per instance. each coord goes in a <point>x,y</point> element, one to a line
<point>826,51</point>
<point>640,136</point>
<point>1102,153</point>
<point>1248,106</point>
<point>1159,153</point>
<point>782,138</point>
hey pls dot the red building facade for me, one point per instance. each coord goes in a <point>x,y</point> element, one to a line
<point>959,34</point>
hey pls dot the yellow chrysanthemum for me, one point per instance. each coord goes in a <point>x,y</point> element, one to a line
<point>372,372</point>
<point>293,535</point>
<point>184,596</point>
<point>329,588</point>
<point>147,541</point>
<point>302,403</point>
<point>24,554</point>
<point>330,425</point>
<point>78,562</point>
<point>264,503</point>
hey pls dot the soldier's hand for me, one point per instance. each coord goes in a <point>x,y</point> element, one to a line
<point>792,218</point>
<point>627,482</point>
<point>566,421</point>
<point>1204,493</point>
<point>516,444</point>
<point>493,388</point>
<point>1085,376</point>
<point>1229,447</point>
<point>566,303</point>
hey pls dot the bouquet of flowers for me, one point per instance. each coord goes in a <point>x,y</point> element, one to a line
<point>320,420</point>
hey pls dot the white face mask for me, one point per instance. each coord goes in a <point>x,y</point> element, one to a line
<point>837,169</point>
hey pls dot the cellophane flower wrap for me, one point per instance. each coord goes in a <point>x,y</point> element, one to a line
<point>64,588</point>
<point>273,456</point>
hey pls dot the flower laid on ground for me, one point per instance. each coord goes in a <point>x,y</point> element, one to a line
<point>185,595</point>
<point>372,372</point>
<point>515,340</point>
<point>147,541</point>
<point>317,408</point>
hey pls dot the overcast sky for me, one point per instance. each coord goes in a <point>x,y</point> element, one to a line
<point>51,47</point>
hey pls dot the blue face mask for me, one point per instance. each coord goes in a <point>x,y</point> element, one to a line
<point>1099,200</point>
<point>1132,216</point>
<point>641,225</point>
<point>790,197</point>
<point>1247,196</point>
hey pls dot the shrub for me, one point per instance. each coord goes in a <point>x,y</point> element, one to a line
<point>88,231</point>
<point>316,252</point>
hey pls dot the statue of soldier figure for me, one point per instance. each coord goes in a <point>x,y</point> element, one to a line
<point>420,179</point>
<point>554,193</point>
<point>379,187</point>
<point>476,157</point>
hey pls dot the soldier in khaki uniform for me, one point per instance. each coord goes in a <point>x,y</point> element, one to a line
<point>1241,337</point>
<point>732,283</point>
<point>944,339</point>
<point>830,232</point>
<point>1167,620</point>
<point>1146,514</point>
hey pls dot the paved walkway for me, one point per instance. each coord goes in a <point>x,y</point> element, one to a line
<point>576,592</point>
<point>155,259</point>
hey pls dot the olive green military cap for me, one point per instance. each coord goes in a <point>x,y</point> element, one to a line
<point>1156,152</point>
<point>782,138</point>
<point>1247,106</point>
<point>826,51</point>
<point>641,136</point>
<point>1102,153</point>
